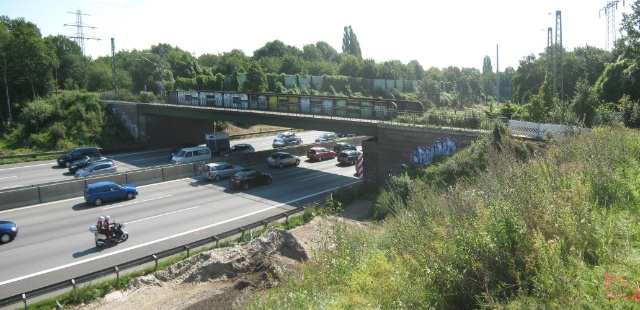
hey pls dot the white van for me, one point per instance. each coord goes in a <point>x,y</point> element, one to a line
<point>191,154</point>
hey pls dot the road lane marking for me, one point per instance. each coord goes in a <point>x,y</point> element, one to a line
<point>162,239</point>
<point>13,176</point>
<point>13,168</point>
<point>149,158</point>
<point>159,215</point>
<point>311,178</point>
<point>135,202</point>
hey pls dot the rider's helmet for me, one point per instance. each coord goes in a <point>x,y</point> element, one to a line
<point>107,217</point>
<point>101,218</point>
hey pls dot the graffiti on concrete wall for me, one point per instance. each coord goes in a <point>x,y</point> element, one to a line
<point>130,126</point>
<point>422,155</point>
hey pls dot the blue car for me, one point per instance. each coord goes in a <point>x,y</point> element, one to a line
<point>97,193</point>
<point>8,231</point>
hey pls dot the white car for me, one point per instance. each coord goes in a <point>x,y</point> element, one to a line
<point>281,159</point>
<point>217,171</point>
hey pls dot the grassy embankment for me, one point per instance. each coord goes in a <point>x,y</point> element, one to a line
<point>558,230</point>
<point>60,123</point>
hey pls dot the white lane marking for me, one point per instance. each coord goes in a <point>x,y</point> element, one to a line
<point>311,178</point>
<point>149,158</point>
<point>159,240</point>
<point>135,202</point>
<point>13,176</point>
<point>14,186</point>
<point>160,215</point>
<point>13,168</point>
<point>138,153</point>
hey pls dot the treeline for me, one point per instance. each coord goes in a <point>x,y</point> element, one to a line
<point>594,83</point>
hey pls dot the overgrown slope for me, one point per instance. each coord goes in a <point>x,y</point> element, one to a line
<point>62,122</point>
<point>557,231</point>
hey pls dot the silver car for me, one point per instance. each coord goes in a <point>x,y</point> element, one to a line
<point>96,169</point>
<point>281,159</point>
<point>219,170</point>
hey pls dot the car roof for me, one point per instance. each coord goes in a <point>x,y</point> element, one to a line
<point>98,184</point>
<point>279,153</point>
<point>317,148</point>
<point>219,163</point>
<point>193,148</point>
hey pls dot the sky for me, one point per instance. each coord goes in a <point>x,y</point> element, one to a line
<point>435,33</point>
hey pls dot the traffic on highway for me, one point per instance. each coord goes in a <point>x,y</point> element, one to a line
<point>55,243</point>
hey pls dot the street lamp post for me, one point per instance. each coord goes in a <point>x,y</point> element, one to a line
<point>159,65</point>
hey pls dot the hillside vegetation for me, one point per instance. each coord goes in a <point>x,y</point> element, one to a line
<point>62,122</point>
<point>503,230</point>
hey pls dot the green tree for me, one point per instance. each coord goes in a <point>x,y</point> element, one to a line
<point>256,79</point>
<point>72,65</point>
<point>351,66</point>
<point>529,77</point>
<point>350,44</point>
<point>486,65</point>
<point>292,65</point>
<point>328,52</point>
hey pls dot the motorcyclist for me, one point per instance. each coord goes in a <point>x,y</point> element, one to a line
<point>100,224</point>
<point>108,226</point>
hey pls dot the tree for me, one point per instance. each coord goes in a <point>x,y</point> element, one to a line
<point>293,65</point>
<point>529,77</point>
<point>370,69</point>
<point>351,66</point>
<point>350,44</point>
<point>328,52</point>
<point>486,65</point>
<point>256,79</point>
<point>71,72</point>
<point>311,53</point>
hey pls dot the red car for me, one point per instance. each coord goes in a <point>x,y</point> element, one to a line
<point>319,153</point>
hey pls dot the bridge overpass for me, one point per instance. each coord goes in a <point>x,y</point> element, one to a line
<point>395,139</point>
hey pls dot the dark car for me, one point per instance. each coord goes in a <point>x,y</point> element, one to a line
<point>78,153</point>
<point>181,146</point>
<point>8,231</point>
<point>348,157</point>
<point>86,161</point>
<point>341,146</point>
<point>242,148</point>
<point>97,193</point>
<point>246,178</point>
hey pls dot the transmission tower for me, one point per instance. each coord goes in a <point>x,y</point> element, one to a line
<point>557,59</point>
<point>80,37</point>
<point>610,14</point>
<point>549,47</point>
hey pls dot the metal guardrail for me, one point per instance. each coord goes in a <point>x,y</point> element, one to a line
<point>73,282</point>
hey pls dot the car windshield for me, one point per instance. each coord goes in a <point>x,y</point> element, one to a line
<point>181,153</point>
<point>278,140</point>
<point>276,155</point>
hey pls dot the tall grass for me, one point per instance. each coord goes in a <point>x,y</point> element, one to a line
<point>557,231</point>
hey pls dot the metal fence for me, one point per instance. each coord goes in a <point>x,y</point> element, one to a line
<point>74,282</point>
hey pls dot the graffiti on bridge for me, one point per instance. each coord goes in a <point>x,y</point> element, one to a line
<point>422,155</point>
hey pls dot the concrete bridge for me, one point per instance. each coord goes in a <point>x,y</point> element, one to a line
<point>394,140</point>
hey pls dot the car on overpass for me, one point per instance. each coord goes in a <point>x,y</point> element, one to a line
<point>327,137</point>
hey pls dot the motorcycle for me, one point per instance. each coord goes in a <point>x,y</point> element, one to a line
<point>119,235</point>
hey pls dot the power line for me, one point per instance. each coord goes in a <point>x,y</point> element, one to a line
<point>610,14</point>
<point>80,37</point>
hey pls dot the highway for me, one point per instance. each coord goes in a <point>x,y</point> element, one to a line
<point>38,172</point>
<point>55,244</point>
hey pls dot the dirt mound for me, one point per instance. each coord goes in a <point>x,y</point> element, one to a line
<point>225,278</point>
